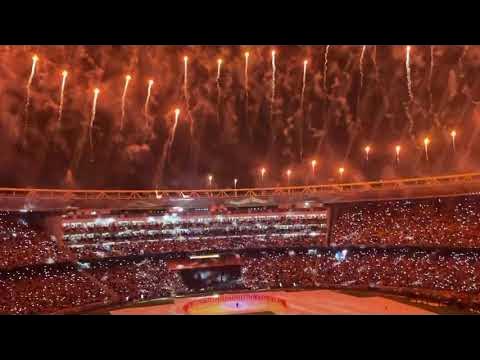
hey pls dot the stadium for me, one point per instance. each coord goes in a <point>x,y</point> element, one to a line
<point>299,250</point>
<point>239,180</point>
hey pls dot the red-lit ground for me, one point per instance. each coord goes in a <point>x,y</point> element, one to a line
<point>304,302</point>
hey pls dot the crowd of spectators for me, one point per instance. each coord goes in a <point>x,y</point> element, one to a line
<point>134,280</point>
<point>153,246</point>
<point>24,241</point>
<point>419,245</point>
<point>401,268</point>
<point>439,222</point>
<point>51,288</point>
<point>108,237</point>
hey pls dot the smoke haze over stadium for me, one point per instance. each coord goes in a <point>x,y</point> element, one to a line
<point>363,100</point>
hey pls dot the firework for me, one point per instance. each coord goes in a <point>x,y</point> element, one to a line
<point>171,138</point>
<point>62,89</point>
<point>367,151</point>
<point>397,153</point>
<point>426,142</point>
<point>219,89</point>
<point>453,134</point>
<point>430,75</point>
<point>305,63</point>
<point>96,91</point>
<point>247,55</point>
<point>185,89</point>
<point>325,68</point>
<point>124,95</point>
<point>409,78</point>
<point>341,170</point>
<point>210,179</point>
<point>185,77</point>
<point>362,55</point>
<point>174,129</point>
<point>374,59</point>
<point>314,164</point>
<point>462,58</point>
<point>29,83</point>
<point>262,173</point>
<point>167,146</point>
<point>149,92</point>
<point>289,173</point>
<point>235,181</point>
<point>273,82</point>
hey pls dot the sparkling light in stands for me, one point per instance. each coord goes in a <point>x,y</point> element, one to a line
<point>341,170</point>
<point>210,179</point>
<point>235,181</point>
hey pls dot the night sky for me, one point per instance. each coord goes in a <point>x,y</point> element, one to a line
<point>215,134</point>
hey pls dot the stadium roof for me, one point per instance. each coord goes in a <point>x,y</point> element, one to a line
<point>60,199</point>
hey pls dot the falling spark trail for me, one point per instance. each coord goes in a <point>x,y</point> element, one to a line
<point>185,89</point>
<point>92,118</point>
<point>410,119</point>
<point>409,79</point>
<point>219,90</point>
<point>301,106</point>
<point>453,134</point>
<point>124,95</point>
<point>462,58</point>
<point>29,84</point>
<point>397,152</point>
<point>367,151</point>
<point>426,142</point>
<point>303,83</point>
<point>374,59</point>
<point>246,73</point>
<point>361,65</point>
<point>149,92</point>
<point>359,93</point>
<point>166,148</point>
<point>325,68</point>
<point>247,54</point>
<point>172,135</point>
<point>62,89</point>
<point>273,84</point>
<point>430,75</point>
<point>185,76</point>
